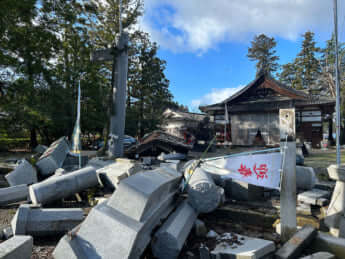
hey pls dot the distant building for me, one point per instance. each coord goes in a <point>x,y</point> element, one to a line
<point>253,113</point>
<point>180,123</point>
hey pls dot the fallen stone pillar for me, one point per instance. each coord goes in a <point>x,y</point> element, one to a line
<point>203,195</point>
<point>335,213</point>
<point>17,247</point>
<point>56,188</point>
<point>295,245</point>
<point>24,173</point>
<point>306,178</point>
<point>35,221</point>
<point>13,194</point>
<point>53,157</point>
<point>169,239</point>
<point>121,227</point>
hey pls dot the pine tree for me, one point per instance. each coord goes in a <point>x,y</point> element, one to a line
<point>262,51</point>
<point>307,64</point>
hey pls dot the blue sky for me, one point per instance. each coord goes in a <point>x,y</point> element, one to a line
<point>205,43</point>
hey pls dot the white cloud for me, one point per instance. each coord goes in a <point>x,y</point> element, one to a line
<point>215,96</point>
<point>196,25</point>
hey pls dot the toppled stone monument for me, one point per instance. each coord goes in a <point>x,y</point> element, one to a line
<point>13,194</point>
<point>306,177</point>
<point>169,239</point>
<point>24,173</point>
<point>35,221</point>
<point>55,188</point>
<point>17,247</point>
<point>121,227</point>
<point>53,157</point>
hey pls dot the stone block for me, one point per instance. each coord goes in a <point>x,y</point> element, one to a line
<point>122,227</point>
<point>7,232</point>
<point>13,194</point>
<point>306,178</point>
<point>313,196</point>
<point>245,248</point>
<point>112,174</point>
<point>171,165</point>
<point>170,237</point>
<point>172,156</point>
<point>304,209</point>
<point>35,221</point>
<point>319,255</point>
<point>295,245</point>
<point>53,157</point>
<point>55,188</point>
<point>326,243</point>
<point>203,194</point>
<point>72,160</point>
<point>336,208</point>
<point>17,247</point>
<point>24,173</point>
<point>99,162</point>
<point>145,190</point>
<point>243,191</point>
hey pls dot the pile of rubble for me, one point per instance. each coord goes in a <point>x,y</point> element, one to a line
<point>151,210</point>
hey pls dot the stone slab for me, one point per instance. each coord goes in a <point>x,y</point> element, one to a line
<point>13,194</point>
<point>24,173</point>
<point>40,149</point>
<point>320,255</point>
<point>248,248</point>
<point>99,162</point>
<point>336,208</point>
<point>171,236</point>
<point>295,245</point>
<point>17,247</point>
<point>243,191</point>
<point>55,188</point>
<point>35,221</point>
<point>313,196</point>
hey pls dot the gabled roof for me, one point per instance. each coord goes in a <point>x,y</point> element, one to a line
<point>283,89</point>
<point>180,115</point>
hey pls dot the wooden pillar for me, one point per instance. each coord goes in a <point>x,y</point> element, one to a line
<point>288,180</point>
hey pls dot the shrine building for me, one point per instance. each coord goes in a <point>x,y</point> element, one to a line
<point>253,113</point>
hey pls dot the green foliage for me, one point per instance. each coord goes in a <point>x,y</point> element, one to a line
<point>45,51</point>
<point>262,51</point>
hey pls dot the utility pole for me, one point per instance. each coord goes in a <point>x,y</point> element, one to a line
<point>337,104</point>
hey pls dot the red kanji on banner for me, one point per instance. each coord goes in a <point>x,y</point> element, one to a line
<point>261,172</point>
<point>245,171</point>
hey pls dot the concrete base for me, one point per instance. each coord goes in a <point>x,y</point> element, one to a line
<point>17,247</point>
<point>24,173</point>
<point>203,195</point>
<point>169,239</point>
<point>32,220</point>
<point>56,188</point>
<point>248,248</point>
<point>13,194</point>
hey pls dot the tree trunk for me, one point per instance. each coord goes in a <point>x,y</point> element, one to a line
<point>33,138</point>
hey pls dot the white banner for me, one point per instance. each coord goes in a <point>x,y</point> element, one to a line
<point>261,169</point>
